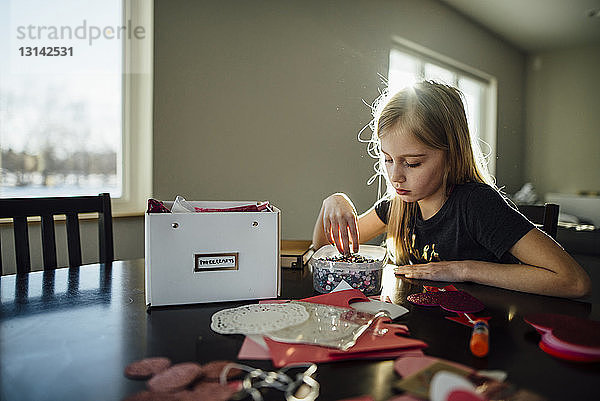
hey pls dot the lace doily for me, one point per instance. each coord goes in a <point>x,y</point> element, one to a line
<point>258,318</point>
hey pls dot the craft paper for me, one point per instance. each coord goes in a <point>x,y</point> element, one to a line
<point>463,395</point>
<point>338,298</point>
<point>382,338</point>
<point>255,348</point>
<point>453,301</point>
<point>446,385</point>
<point>419,383</point>
<point>567,337</point>
<point>424,369</point>
<point>409,365</point>
<point>283,354</point>
<point>330,326</point>
<point>373,307</point>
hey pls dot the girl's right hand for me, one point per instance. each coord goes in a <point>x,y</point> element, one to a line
<point>340,223</point>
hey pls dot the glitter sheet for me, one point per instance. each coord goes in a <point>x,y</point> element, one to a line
<point>425,298</point>
<point>460,301</point>
<point>453,301</point>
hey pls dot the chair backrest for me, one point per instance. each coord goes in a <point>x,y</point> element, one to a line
<point>46,208</point>
<point>544,216</point>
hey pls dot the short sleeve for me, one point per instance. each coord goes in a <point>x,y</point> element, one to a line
<point>382,209</point>
<point>495,224</point>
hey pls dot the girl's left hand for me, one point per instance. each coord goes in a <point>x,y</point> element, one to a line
<point>452,271</point>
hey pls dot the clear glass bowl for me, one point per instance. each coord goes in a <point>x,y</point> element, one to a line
<point>365,277</point>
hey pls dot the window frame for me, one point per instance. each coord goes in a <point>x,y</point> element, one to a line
<point>137,95</point>
<point>488,133</point>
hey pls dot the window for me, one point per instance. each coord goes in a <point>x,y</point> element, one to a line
<point>75,99</point>
<point>410,63</point>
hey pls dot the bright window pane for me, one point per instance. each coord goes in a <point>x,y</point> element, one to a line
<point>439,74</point>
<point>61,116</point>
<point>473,91</point>
<point>404,71</point>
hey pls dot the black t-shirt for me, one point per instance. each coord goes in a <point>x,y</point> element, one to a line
<point>475,223</point>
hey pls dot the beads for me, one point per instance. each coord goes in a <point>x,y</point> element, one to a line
<point>364,274</point>
<point>351,258</point>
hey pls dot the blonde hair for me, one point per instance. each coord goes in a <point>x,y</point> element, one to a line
<point>435,115</point>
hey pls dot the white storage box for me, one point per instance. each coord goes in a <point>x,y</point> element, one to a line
<point>212,257</point>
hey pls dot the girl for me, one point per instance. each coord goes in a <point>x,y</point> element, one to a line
<point>443,217</point>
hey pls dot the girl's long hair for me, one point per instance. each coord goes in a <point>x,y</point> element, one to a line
<point>435,114</point>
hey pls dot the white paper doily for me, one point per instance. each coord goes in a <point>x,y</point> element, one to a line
<point>258,318</point>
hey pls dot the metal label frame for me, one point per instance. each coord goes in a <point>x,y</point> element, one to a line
<point>215,262</point>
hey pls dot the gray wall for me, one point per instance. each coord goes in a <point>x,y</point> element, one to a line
<point>563,120</point>
<point>263,99</point>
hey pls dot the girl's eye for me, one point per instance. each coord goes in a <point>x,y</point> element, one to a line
<point>406,164</point>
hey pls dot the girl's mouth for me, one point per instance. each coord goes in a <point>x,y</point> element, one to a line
<point>402,192</point>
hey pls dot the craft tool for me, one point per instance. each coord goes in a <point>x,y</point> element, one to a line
<point>479,343</point>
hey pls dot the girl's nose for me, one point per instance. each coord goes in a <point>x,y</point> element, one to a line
<point>397,175</point>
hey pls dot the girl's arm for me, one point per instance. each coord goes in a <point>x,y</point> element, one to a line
<point>338,224</point>
<point>547,269</point>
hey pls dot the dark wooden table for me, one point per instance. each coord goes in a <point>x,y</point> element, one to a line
<point>67,335</point>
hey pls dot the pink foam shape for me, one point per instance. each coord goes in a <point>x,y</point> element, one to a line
<point>408,365</point>
<point>253,351</point>
<point>463,395</point>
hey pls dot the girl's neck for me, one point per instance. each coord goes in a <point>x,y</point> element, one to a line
<point>432,204</point>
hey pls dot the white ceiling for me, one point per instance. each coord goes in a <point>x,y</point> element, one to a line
<point>536,25</point>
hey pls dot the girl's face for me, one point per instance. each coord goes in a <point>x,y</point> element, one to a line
<point>415,170</point>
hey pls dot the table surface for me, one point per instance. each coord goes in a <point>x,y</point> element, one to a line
<point>68,334</point>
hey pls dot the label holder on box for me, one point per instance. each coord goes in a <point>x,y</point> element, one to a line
<point>209,262</point>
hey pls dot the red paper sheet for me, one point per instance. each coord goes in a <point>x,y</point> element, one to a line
<point>338,298</point>
<point>388,344</point>
<point>283,354</point>
<point>383,340</point>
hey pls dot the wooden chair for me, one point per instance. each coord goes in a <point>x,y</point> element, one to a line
<point>46,208</point>
<point>544,216</point>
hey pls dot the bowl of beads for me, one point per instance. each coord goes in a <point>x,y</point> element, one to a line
<point>362,270</point>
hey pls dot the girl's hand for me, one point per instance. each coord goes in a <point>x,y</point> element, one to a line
<point>340,223</point>
<point>453,271</point>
